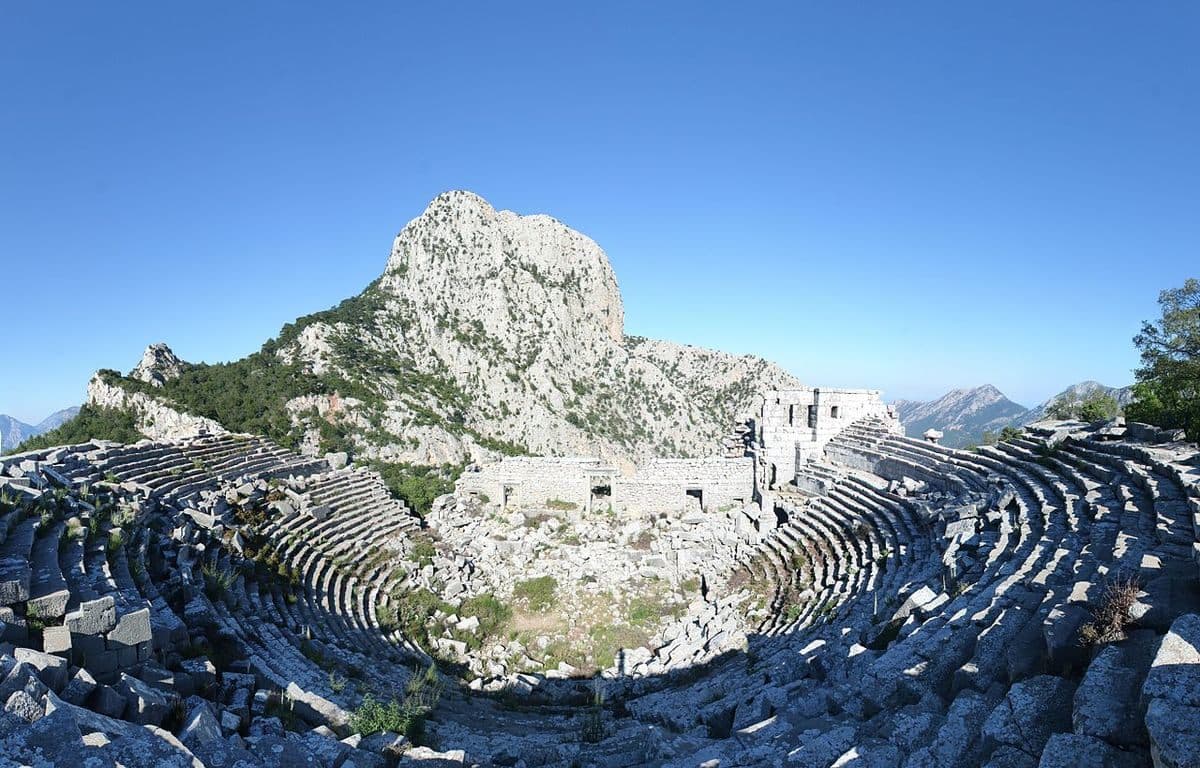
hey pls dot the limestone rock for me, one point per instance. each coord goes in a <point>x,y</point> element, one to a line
<point>158,366</point>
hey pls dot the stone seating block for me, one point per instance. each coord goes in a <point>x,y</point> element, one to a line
<point>93,617</point>
<point>131,629</point>
<point>57,640</point>
<point>1175,672</point>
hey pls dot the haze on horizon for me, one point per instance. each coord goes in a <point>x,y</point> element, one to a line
<point>912,199</point>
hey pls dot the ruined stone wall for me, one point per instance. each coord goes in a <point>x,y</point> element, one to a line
<point>795,424</point>
<point>661,485</point>
<point>531,481</point>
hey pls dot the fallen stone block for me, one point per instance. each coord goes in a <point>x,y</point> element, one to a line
<point>143,705</point>
<point>52,670</point>
<point>200,725</point>
<point>80,687</point>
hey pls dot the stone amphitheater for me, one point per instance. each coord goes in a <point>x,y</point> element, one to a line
<point>221,601</point>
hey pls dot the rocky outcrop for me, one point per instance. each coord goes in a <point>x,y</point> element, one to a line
<point>155,418</point>
<point>158,366</point>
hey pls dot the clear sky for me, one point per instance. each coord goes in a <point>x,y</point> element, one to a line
<point>910,196</point>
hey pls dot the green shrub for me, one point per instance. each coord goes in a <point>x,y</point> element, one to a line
<point>538,594</point>
<point>406,717</point>
<point>421,552</point>
<point>417,485</point>
<point>91,423</point>
<point>493,614</point>
<point>414,609</point>
<point>561,505</point>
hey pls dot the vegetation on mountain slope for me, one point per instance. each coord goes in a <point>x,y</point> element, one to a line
<point>91,423</point>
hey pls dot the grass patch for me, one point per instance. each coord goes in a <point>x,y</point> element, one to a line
<point>539,594</point>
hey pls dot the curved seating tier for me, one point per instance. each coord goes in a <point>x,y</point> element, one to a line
<point>916,603</point>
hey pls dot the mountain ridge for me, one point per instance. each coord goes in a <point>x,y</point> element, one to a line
<point>963,415</point>
<point>13,431</point>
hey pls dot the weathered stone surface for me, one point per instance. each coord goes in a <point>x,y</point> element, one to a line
<point>1073,750</point>
<point>1175,673</point>
<point>1033,710</point>
<point>1173,731</point>
<point>93,617</point>
<point>80,688</point>
<point>1108,704</point>
<point>200,725</point>
<point>131,629</point>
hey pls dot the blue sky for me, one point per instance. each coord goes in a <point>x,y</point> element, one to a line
<point>910,196</point>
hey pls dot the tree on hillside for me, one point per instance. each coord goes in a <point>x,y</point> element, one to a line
<point>1167,392</point>
<point>1097,406</point>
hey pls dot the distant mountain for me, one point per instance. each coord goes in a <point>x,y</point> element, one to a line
<point>963,415</point>
<point>13,432</point>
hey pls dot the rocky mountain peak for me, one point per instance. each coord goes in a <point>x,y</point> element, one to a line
<point>510,276</point>
<point>158,365</point>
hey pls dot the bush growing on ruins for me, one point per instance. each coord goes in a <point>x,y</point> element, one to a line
<point>217,580</point>
<point>421,552</point>
<point>416,485</point>
<point>91,423</point>
<point>561,505</point>
<point>1111,616</point>
<point>406,717</point>
<point>1167,392</point>
<point>538,594</point>
<point>414,609</point>
<point>493,617</point>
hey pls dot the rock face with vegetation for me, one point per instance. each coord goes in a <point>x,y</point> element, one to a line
<point>488,332</point>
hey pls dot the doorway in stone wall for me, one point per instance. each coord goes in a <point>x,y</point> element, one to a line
<point>601,496</point>
<point>697,494</point>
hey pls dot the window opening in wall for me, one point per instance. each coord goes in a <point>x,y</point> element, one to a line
<point>791,415</point>
<point>833,411</point>
<point>697,494</point>
<point>812,416</point>
<point>508,494</point>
